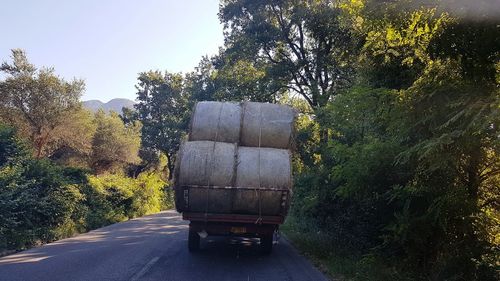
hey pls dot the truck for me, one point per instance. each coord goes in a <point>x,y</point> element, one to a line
<point>233,175</point>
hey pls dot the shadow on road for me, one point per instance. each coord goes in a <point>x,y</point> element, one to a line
<point>129,233</point>
<point>155,248</point>
<point>230,246</point>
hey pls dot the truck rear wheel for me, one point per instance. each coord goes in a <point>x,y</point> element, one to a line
<point>193,240</point>
<point>266,244</point>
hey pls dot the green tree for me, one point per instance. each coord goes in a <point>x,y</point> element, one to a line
<point>114,146</point>
<point>11,149</point>
<point>413,172</point>
<point>395,51</point>
<point>39,201</point>
<point>71,144</point>
<point>299,46</point>
<point>201,83</point>
<point>162,110</point>
<point>243,79</point>
<point>452,133</point>
<point>217,78</point>
<point>36,101</point>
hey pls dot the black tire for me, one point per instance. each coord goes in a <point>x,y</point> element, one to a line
<point>266,244</point>
<point>193,241</point>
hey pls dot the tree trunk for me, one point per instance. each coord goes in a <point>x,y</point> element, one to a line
<point>39,144</point>
<point>170,166</point>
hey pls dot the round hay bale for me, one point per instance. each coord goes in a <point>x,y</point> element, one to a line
<point>206,163</point>
<point>263,167</point>
<point>267,125</point>
<point>255,202</point>
<point>216,121</point>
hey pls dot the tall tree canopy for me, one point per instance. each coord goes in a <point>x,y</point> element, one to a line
<point>412,166</point>
<point>37,101</point>
<point>114,145</point>
<point>162,109</point>
<point>300,46</point>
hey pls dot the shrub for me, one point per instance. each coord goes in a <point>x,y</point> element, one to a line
<point>38,204</point>
<point>41,201</point>
<point>114,198</point>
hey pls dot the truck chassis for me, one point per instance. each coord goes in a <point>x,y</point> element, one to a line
<point>253,226</point>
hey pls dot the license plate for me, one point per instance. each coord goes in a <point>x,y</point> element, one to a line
<point>238,230</point>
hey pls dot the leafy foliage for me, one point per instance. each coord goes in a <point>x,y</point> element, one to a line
<point>36,101</point>
<point>39,201</point>
<point>42,202</point>
<point>114,145</point>
<point>72,142</point>
<point>162,110</point>
<point>301,46</point>
<point>397,163</point>
<point>116,198</point>
<point>411,170</point>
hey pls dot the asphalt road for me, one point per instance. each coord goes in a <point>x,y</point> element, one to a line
<point>155,248</point>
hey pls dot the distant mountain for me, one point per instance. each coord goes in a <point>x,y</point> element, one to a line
<point>112,105</point>
<point>93,105</point>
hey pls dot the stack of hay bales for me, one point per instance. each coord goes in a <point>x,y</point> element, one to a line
<point>237,159</point>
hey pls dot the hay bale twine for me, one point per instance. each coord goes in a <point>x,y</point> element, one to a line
<point>267,125</point>
<point>204,163</point>
<point>263,167</point>
<point>216,121</point>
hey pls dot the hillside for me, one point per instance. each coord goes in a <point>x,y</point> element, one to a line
<point>112,105</point>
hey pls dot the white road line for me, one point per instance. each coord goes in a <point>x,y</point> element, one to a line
<point>145,269</point>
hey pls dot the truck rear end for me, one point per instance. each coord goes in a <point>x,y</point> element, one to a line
<point>251,224</point>
<point>233,176</point>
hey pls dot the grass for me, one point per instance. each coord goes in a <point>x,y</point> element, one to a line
<point>337,263</point>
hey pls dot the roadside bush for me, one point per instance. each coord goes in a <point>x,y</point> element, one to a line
<point>114,198</point>
<point>398,179</point>
<point>109,199</point>
<point>151,195</point>
<point>41,201</point>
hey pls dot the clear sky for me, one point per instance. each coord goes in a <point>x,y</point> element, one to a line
<point>108,42</point>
